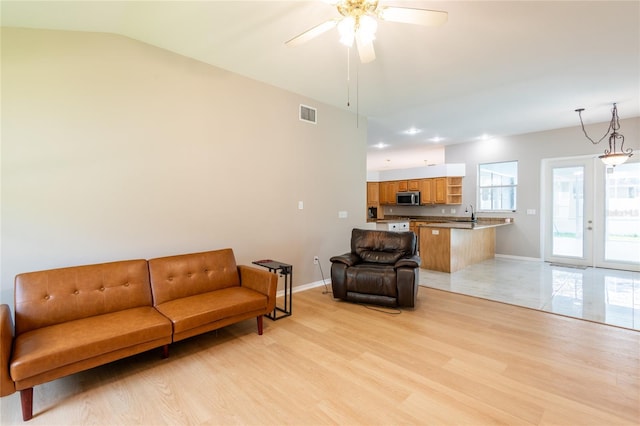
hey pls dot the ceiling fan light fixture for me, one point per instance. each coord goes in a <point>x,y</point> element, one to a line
<point>363,27</point>
<point>367,28</point>
<point>347,30</point>
<point>359,22</point>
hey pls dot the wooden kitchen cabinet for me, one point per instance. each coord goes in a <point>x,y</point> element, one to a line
<point>433,191</point>
<point>415,226</point>
<point>373,194</point>
<point>454,190</point>
<point>447,249</point>
<point>384,187</point>
<point>442,190</point>
<point>388,192</point>
<point>392,189</point>
<point>409,185</point>
<point>427,191</point>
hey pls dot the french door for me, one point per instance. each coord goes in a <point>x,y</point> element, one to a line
<point>592,214</point>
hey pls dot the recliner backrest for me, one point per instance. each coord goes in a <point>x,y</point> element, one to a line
<point>382,246</point>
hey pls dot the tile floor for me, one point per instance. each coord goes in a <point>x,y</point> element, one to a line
<point>602,295</point>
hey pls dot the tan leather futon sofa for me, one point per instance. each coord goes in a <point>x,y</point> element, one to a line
<point>71,319</point>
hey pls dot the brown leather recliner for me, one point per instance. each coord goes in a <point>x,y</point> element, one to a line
<point>382,269</point>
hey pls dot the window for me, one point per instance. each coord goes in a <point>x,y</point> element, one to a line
<point>497,184</point>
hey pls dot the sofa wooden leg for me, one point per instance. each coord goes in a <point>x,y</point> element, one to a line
<point>165,351</point>
<point>259,325</point>
<point>26,399</point>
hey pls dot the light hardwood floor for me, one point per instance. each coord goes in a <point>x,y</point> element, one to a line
<point>454,359</point>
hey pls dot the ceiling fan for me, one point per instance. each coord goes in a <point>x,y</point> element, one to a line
<point>359,22</point>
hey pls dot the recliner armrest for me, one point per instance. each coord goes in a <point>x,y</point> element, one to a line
<point>411,262</point>
<point>348,259</point>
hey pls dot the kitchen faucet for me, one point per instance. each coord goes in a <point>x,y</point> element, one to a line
<point>473,213</point>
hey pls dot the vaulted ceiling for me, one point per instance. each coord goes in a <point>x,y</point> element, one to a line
<point>496,68</point>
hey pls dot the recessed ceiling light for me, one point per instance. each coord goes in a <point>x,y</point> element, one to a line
<point>412,131</point>
<point>484,137</point>
<point>380,145</point>
<point>436,139</point>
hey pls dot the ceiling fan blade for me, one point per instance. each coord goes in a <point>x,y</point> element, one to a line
<point>312,33</point>
<point>409,15</point>
<point>365,50</point>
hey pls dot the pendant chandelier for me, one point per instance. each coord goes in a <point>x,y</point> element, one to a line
<point>611,156</point>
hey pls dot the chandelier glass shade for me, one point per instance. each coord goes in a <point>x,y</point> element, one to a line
<point>615,154</point>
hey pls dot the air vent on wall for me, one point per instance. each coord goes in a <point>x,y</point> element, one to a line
<point>308,114</point>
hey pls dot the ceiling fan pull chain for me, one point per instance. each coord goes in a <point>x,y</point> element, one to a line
<point>348,76</point>
<point>357,95</point>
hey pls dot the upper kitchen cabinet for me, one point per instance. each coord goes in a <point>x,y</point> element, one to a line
<point>373,194</point>
<point>454,190</point>
<point>427,188</point>
<point>439,184</point>
<point>442,190</point>
<point>413,184</point>
<point>388,192</point>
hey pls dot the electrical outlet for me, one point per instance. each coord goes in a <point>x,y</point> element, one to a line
<point>315,260</point>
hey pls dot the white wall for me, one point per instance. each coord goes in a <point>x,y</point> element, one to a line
<point>113,149</point>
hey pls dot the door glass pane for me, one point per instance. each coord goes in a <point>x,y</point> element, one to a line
<point>622,213</point>
<point>568,203</point>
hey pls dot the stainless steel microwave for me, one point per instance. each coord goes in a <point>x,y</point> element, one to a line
<point>408,198</point>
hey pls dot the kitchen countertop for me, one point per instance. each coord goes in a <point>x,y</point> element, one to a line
<point>459,222</point>
<point>466,225</point>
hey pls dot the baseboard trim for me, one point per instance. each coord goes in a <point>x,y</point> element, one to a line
<point>304,287</point>
<point>508,256</point>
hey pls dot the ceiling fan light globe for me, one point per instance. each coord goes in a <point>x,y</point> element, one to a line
<point>347,40</point>
<point>347,30</point>
<point>367,28</point>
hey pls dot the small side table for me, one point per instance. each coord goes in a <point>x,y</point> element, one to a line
<point>286,271</point>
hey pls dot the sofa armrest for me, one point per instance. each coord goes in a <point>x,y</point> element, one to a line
<point>260,280</point>
<point>7,386</point>
<point>411,262</point>
<point>348,259</point>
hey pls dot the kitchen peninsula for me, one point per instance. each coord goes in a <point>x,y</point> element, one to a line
<point>452,246</point>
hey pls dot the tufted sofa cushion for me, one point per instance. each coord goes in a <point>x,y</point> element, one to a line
<point>176,277</point>
<point>71,319</point>
<point>201,292</point>
<point>56,296</point>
